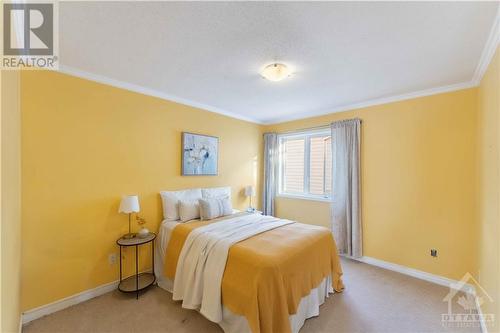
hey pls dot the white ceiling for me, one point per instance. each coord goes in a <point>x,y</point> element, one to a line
<point>209,54</point>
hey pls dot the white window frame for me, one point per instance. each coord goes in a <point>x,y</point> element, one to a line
<point>307,135</point>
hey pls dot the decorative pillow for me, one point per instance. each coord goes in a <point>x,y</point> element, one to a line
<point>216,207</point>
<point>189,210</point>
<point>216,192</point>
<point>170,200</point>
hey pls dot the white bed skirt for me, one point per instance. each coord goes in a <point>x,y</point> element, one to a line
<point>233,323</point>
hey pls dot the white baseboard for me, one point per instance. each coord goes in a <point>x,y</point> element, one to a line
<point>64,303</point>
<point>437,279</point>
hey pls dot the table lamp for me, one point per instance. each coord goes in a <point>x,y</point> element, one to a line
<point>129,205</point>
<point>250,192</point>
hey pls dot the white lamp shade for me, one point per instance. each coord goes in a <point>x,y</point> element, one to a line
<point>250,191</point>
<point>129,204</point>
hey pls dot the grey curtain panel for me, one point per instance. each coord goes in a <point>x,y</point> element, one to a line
<point>271,155</point>
<point>346,198</point>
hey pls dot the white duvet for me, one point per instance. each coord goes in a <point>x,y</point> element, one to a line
<point>202,261</point>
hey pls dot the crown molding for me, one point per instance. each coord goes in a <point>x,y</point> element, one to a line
<point>374,102</point>
<point>155,93</point>
<point>489,50</point>
<point>149,92</point>
<point>486,56</point>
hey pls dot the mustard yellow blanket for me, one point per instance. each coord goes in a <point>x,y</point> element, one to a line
<point>267,275</point>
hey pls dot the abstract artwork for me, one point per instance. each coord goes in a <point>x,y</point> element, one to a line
<point>199,154</point>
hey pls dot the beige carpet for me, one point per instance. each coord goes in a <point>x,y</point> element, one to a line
<point>375,300</point>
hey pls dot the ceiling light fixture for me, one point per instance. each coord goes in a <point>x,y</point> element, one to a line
<point>276,72</point>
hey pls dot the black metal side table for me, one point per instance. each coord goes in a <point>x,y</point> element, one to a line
<point>138,281</point>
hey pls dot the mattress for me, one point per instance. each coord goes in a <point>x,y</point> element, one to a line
<point>308,306</point>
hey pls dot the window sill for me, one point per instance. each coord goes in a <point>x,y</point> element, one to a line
<point>303,197</point>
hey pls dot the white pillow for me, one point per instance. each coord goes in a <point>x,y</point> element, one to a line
<point>189,210</point>
<point>170,200</point>
<point>216,207</point>
<point>216,192</point>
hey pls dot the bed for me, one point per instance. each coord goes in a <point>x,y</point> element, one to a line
<point>262,274</point>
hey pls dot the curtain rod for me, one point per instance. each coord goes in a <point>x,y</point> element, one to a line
<point>314,128</point>
<point>307,129</point>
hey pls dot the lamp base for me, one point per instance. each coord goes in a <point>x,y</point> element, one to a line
<point>129,236</point>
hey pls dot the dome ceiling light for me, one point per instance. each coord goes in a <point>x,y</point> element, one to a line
<point>276,72</point>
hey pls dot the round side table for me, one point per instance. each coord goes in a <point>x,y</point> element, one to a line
<point>138,281</point>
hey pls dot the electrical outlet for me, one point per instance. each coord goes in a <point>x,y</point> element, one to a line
<point>434,252</point>
<point>112,258</point>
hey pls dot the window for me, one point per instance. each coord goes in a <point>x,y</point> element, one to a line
<point>305,164</point>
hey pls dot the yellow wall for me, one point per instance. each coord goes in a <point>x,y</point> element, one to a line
<point>10,201</point>
<point>489,184</point>
<point>418,182</point>
<point>85,144</point>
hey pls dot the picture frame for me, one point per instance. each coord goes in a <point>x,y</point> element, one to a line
<point>200,155</point>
